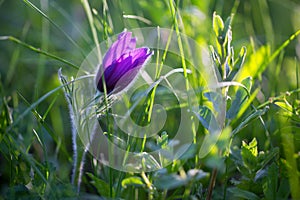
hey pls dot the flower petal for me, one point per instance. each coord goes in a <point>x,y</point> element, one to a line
<point>121,63</point>
<point>124,43</point>
<point>133,59</point>
<point>130,62</point>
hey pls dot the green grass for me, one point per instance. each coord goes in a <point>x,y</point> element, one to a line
<point>257,153</point>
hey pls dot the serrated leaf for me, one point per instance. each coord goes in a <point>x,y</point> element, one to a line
<point>249,155</point>
<point>253,147</point>
<point>162,141</point>
<point>249,160</point>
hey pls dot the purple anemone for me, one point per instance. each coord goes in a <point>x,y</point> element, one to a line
<point>121,63</point>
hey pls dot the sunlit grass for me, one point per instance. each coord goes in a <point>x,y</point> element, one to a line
<point>256,155</point>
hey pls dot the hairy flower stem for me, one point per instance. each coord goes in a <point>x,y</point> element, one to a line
<point>78,166</point>
<point>79,150</point>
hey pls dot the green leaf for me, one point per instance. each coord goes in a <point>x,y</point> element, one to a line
<point>240,60</point>
<point>237,192</point>
<point>143,162</point>
<point>190,150</point>
<point>270,155</point>
<point>283,191</point>
<point>245,122</point>
<point>168,182</point>
<point>241,96</point>
<point>102,187</point>
<point>218,24</point>
<point>260,59</point>
<point>249,160</point>
<point>162,141</point>
<point>238,63</point>
<point>132,181</point>
<point>249,155</point>
<point>207,119</point>
<point>277,52</point>
<point>246,105</point>
<point>285,106</point>
<point>5,115</point>
<point>224,140</point>
<point>252,146</point>
<point>292,169</point>
<point>216,99</point>
<point>171,181</point>
<point>270,186</point>
<point>226,33</point>
<point>255,61</point>
<point>196,174</point>
<point>18,192</point>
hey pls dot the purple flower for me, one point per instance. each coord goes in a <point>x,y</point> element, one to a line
<point>121,63</point>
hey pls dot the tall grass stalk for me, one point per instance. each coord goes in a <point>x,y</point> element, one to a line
<point>37,50</point>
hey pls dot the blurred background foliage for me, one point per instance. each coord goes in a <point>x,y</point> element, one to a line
<point>260,25</point>
<point>256,23</point>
